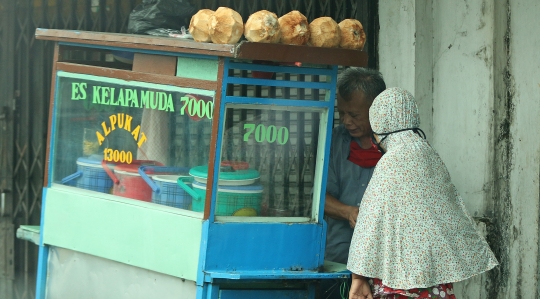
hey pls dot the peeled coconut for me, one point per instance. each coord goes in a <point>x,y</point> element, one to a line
<point>198,27</point>
<point>352,34</point>
<point>262,27</point>
<point>294,28</point>
<point>324,33</point>
<point>226,26</point>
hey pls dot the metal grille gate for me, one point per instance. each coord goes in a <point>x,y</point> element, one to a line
<point>25,76</point>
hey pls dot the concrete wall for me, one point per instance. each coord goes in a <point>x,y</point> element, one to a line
<point>473,69</point>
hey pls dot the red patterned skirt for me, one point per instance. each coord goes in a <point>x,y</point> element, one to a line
<point>442,291</point>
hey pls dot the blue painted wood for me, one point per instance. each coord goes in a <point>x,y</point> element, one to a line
<point>274,275</point>
<point>326,158</point>
<point>258,251</point>
<point>219,140</point>
<point>43,251</point>
<point>264,294</point>
<point>235,247</point>
<point>201,292</point>
<point>278,83</point>
<point>281,69</point>
<point>202,255</point>
<point>278,102</point>
<point>52,141</point>
<point>311,290</point>
<point>43,254</point>
<point>212,291</point>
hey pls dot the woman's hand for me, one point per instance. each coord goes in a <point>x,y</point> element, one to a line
<point>360,288</point>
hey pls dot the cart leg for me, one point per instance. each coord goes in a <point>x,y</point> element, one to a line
<point>212,291</point>
<point>42,271</point>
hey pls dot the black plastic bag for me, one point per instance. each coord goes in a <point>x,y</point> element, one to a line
<point>153,14</point>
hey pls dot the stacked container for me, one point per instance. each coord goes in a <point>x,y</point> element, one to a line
<point>239,193</point>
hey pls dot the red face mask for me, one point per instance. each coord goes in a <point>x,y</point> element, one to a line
<point>365,158</point>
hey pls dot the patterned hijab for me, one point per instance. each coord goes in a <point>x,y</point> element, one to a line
<point>413,230</point>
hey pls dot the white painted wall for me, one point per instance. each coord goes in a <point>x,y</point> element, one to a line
<point>459,46</point>
<point>456,109</point>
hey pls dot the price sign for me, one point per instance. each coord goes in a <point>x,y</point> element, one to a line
<point>197,107</point>
<point>263,133</point>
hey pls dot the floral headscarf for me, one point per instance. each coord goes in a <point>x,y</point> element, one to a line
<point>413,230</point>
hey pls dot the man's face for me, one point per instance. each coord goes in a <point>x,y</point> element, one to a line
<point>354,114</point>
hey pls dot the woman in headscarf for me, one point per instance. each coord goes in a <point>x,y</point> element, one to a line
<point>413,236</point>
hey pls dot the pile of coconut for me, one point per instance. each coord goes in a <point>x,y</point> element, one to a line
<point>225,26</point>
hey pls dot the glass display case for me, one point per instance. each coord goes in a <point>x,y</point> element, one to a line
<point>202,166</point>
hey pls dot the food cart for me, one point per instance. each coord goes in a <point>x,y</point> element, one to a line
<point>178,169</point>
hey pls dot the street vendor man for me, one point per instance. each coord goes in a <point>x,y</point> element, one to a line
<point>353,157</point>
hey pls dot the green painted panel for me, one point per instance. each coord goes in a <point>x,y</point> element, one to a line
<point>162,239</point>
<point>196,68</point>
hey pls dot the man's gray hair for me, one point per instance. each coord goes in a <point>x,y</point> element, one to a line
<point>368,81</point>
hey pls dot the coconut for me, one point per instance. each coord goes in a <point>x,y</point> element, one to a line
<point>324,33</point>
<point>262,27</point>
<point>226,26</point>
<point>198,27</point>
<point>352,34</point>
<point>294,28</point>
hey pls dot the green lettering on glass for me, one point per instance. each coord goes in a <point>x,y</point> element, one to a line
<point>146,98</point>
<point>162,101</point>
<point>78,91</point>
<point>134,99</point>
<point>271,133</point>
<point>113,103</point>
<point>155,101</point>
<point>186,101</point>
<point>129,97</point>
<point>105,93</point>
<point>96,99</point>
<point>250,128</point>
<point>170,106</point>
<point>196,107</point>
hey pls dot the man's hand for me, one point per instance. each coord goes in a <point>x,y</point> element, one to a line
<point>360,288</point>
<point>353,215</point>
<point>338,210</point>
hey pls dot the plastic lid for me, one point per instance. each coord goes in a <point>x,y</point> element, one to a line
<point>235,175</point>
<point>93,159</point>
<point>239,189</point>
<point>169,178</point>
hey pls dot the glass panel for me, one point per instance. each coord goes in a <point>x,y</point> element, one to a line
<point>268,161</point>
<point>131,139</point>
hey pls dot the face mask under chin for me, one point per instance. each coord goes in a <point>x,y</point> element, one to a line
<point>378,144</point>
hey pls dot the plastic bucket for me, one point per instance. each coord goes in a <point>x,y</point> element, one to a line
<point>90,175</point>
<point>228,176</point>
<point>169,192</point>
<point>165,189</point>
<point>231,200</point>
<point>129,183</point>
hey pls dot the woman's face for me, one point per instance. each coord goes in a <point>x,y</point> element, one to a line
<point>354,114</point>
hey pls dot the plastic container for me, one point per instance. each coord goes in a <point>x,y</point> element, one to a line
<point>129,183</point>
<point>165,189</point>
<point>231,200</point>
<point>232,177</point>
<point>90,175</point>
<point>237,193</point>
